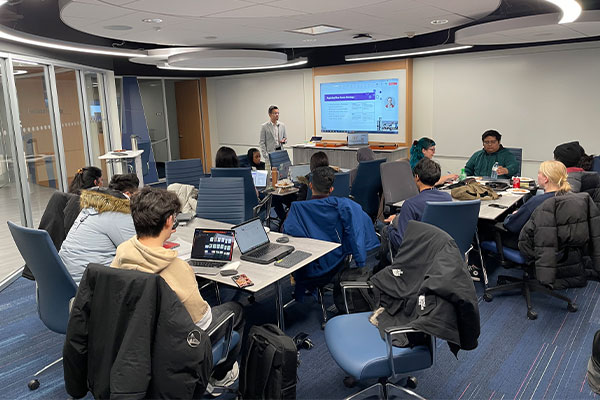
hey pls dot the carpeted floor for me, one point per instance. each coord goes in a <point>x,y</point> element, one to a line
<point>516,358</point>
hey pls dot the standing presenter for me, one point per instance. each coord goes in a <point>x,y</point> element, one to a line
<point>272,134</point>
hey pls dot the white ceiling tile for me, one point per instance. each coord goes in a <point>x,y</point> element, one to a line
<point>193,8</point>
<point>320,6</point>
<point>93,11</point>
<point>470,8</point>
<point>257,11</point>
<point>586,28</point>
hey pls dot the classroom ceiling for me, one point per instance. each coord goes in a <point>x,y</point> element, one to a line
<point>258,32</point>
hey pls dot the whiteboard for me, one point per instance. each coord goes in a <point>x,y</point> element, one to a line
<point>535,99</point>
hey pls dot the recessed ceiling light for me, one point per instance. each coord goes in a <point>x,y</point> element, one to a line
<point>439,22</point>
<point>570,8</point>
<point>317,29</point>
<point>118,27</point>
<point>152,20</point>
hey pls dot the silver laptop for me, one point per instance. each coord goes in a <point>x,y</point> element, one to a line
<point>297,171</point>
<point>254,244</point>
<point>211,250</point>
<point>259,178</point>
<point>358,139</point>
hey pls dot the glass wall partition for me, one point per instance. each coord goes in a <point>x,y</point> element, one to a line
<point>153,101</point>
<point>99,141</point>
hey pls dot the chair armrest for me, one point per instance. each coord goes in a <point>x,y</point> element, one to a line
<point>265,202</point>
<point>227,321</point>
<point>398,330</point>
<point>346,285</point>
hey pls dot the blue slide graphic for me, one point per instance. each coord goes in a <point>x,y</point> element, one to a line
<point>360,106</point>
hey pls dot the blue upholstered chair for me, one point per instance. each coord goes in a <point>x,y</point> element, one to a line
<point>220,349</point>
<point>357,347</point>
<point>187,172</point>
<point>367,186</point>
<point>512,258</point>
<point>221,199</point>
<point>596,164</point>
<point>250,198</point>
<point>456,218</point>
<point>279,157</point>
<point>54,286</point>
<point>518,153</point>
<point>341,186</point>
<point>243,160</point>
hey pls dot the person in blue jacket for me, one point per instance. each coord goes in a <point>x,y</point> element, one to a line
<point>330,218</point>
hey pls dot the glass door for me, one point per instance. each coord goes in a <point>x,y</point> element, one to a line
<point>36,133</point>
<point>95,114</point>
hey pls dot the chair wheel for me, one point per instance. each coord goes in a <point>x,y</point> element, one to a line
<point>411,382</point>
<point>531,315</point>
<point>572,307</point>
<point>349,382</point>
<point>251,299</point>
<point>488,297</point>
<point>323,325</point>
<point>33,384</point>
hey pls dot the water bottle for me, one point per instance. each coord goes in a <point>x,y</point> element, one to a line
<point>463,175</point>
<point>495,170</point>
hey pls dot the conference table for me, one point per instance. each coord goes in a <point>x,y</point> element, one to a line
<point>262,275</point>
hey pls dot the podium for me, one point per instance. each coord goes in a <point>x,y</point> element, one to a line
<point>119,162</point>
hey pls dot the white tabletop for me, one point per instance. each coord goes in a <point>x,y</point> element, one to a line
<point>121,155</point>
<point>262,275</point>
<point>490,213</point>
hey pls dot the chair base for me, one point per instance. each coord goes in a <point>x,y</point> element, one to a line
<point>34,383</point>
<point>526,285</point>
<point>383,389</point>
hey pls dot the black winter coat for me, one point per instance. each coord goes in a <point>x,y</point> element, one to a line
<point>562,238</point>
<point>429,264</point>
<point>130,337</point>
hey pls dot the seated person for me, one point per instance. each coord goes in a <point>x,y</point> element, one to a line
<point>102,225</point>
<point>427,173</point>
<point>318,159</point>
<point>226,158</point>
<point>362,154</point>
<point>425,147</point>
<point>482,161</point>
<point>254,159</point>
<point>154,211</point>
<point>85,178</point>
<point>552,177</point>
<point>579,165</point>
<point>329,218</point>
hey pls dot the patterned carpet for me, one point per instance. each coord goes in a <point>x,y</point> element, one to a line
<point>516,358</point>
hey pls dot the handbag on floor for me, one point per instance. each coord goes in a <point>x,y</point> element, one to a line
<point>270,364</point>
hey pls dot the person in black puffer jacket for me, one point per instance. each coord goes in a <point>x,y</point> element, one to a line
<point>570,221</point>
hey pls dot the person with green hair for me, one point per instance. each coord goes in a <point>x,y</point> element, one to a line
<point>422,148</point>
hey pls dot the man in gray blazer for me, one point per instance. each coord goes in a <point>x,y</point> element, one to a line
<point>272,134</point>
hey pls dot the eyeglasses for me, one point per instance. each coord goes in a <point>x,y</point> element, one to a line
<point>489,142</point>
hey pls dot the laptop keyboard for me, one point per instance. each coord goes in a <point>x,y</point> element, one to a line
<point>207,264</point>
<point>264,250</point>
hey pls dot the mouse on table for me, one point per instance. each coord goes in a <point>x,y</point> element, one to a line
<point>283,239</point>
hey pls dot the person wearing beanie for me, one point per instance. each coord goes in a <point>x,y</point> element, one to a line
<point>569,154</point>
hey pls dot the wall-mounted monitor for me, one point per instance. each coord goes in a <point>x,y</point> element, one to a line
<point>360,106</point>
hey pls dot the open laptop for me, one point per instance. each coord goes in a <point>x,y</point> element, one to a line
<point>358,139</point>
<point>211,250</point>
<point>284,170</point>
<point>297,171</point>
<point>254,243</point>
<point>259,178</point>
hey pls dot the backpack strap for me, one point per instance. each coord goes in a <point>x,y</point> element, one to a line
<point>262,375</point>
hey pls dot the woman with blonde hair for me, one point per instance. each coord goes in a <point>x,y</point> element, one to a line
<point>552,177</point>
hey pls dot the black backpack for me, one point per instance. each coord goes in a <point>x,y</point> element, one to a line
<point>270,364</point>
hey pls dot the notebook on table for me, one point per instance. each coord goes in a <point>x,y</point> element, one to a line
<point>254,243</point>
<point>211,250</point>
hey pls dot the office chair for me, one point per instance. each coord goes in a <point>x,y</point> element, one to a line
<point>243,160</point>
<point>518,154</point>
<point>221,199</point>
<point>356,346</point>
<point>367,186</point>
<point>279,157</point>
<point>341,186</point>
<point>596,164</point>
<point>54,286</point>
<point>398,183</point>
<point>250,197</point>
<point>512,258</point>
<point>187,172</point>
<point>220,348</point>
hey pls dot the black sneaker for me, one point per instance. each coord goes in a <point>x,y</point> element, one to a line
<point>475,272</point>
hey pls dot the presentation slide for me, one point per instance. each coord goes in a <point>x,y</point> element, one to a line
<point>360,106</point>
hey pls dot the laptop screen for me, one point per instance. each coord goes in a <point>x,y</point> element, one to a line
<point>297,171</point>
<point>284,170</point>
<point>259,178</point>
<point>211,244</point>
<point>358,139</point>
<point>250,235</point>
